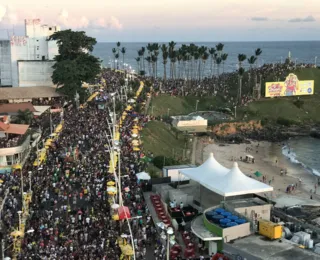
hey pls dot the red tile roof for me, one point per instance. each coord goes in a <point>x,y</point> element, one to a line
<point>13,128</point>
<point>14,108</point>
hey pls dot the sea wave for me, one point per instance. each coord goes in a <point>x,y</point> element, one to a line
<point>286,151</point>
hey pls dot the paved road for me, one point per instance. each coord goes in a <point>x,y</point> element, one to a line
<point>229,249</point>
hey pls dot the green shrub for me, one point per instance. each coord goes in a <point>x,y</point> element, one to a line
<point>285,122</point>
<point>160,161</point>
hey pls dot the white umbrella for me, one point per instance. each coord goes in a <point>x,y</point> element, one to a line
<point>131,101</point>
<point>112,189</point>
<point>115,206</point>
<point>143,176</point>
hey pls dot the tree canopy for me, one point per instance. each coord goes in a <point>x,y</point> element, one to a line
<point>74,64</point>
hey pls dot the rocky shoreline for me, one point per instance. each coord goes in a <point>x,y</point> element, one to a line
<point>271,133</point>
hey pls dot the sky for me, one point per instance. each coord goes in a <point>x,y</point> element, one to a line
<point>166,20</point>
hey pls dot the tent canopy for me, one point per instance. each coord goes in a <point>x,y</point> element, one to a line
<point>210,168</point>
<point>223,181</point>
<point>236,183</point>
<point>143,176</point>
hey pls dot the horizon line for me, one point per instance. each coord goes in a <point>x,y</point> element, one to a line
<point>208,41</point>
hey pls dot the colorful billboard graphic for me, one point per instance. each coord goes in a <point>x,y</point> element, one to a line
<point>290,87</point>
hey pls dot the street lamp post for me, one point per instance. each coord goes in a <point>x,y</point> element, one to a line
<point>197,105</point>
<point>235,112</point>
<point>169,111</point>
<point>169,233</point>
<point>30,189</point>
<point>315,61</point>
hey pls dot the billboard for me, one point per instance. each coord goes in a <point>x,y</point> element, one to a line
<point>290,87</point>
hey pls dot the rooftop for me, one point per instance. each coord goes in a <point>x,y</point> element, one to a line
<point>14,108</point>
<point>28,93</point>
<point>201,231</point>
<point>173,167</point>
<point>246,202</point>
<point>266,249</point>
<point>13,128</point>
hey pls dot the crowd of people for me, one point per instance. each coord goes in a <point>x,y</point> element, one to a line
<point>70,213</point>
<point>226,84</point>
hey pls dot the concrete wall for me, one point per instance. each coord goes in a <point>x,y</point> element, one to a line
<point>15,150</point>
<point>263,211</point>
<point>5,63</point>
<point>235,232</point>
<point>33,47</point>
<point>35,73</point>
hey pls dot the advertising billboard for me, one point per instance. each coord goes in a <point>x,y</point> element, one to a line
<point>290,87</point>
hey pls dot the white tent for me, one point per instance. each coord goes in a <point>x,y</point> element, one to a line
<point>235,183</point>
<point>40,110</point>
<point>143,176</point>
<point>209,169</point>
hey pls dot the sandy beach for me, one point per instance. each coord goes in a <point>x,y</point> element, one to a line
<point>269,161</point>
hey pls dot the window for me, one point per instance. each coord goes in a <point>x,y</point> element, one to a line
<point>43,57</point>
<point>38,56</point>
<point>37,48</point>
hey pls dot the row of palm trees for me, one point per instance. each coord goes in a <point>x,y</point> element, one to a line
<point>116,55</point>
<point>188,61</point>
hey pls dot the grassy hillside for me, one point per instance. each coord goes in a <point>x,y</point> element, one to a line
<point>284,107</point>
<point>266,108</point>
<point>182,105</point>
<point>160,140</point>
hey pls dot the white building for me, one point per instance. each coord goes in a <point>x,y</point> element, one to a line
<point>27,61</point>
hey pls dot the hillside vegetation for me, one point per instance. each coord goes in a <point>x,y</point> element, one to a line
<point>307,109</point>
<point>283,109</point>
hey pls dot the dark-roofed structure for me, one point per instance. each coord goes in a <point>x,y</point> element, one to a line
<point>12,109</point>
<point>28,93</point>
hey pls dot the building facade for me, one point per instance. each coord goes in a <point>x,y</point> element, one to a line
<point>27,61</point>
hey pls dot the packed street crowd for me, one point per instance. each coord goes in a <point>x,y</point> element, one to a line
<point>70,214</point>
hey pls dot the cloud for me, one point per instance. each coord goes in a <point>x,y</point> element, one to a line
<point>115,23</point>
<point>3,11</point>
<point>307,19</point>
<point>65,20</point>
<point>259,19</point>
<point>8,15</point>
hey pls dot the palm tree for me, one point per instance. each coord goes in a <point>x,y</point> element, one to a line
<point>258,52</point>
<point>165,55</point>
<point>143,50</point>
<point>218,61</point>
<point>252,60</point>
<point>138,62</point>
<point>117,59</point>
<point>224,57</point>
<point>114,51</point>
<point>212,51</point>
<point>140,53</point>
<point>123,51</point>
<point>118,45</point>
<point>24,117</point>
<point>204,57</point>
<point>148,59</point>
<point>241,59</point>
<point>240,75</point>
<point>219,48</point>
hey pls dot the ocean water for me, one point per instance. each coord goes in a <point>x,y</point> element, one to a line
<point>304,151</point>
<point>272,52</point>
